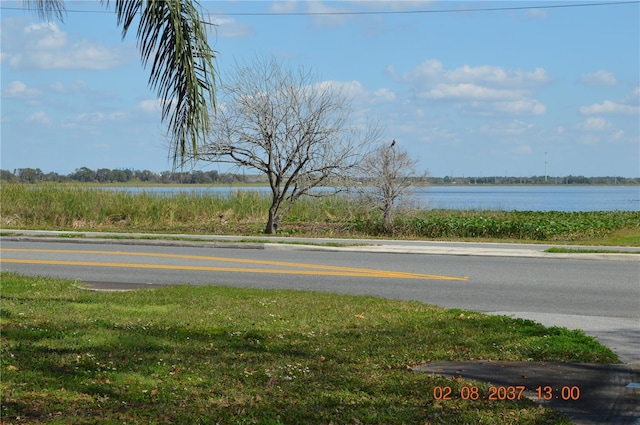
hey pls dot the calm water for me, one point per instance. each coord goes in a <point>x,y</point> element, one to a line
<point>506,198</point>
<point>534,198</point>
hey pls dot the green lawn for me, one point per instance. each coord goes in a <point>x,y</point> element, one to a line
<point>207,355</point>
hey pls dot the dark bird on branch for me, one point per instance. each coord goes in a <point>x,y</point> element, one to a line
<point>393,143</point>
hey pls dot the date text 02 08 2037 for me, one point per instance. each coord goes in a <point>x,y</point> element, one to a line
<point>509,392</point>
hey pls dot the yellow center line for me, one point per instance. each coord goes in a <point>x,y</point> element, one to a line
<point>320,270</point>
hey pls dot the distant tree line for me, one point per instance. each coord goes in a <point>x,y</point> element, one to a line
<point>105,175</point>
<point>539,180</point>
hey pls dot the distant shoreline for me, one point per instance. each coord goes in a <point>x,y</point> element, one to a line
<point>127,177</point>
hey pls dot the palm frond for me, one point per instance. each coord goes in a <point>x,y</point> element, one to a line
<point>173,39</point>
<point>47,9</point>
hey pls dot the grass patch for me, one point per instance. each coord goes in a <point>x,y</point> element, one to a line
<point>206,355</point>
<point>627,236</point>
<point>561,250</point>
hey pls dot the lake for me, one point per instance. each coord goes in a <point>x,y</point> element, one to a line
<point>533,198</point>
<point>464,197</point>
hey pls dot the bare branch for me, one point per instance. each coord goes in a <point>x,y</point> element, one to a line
<point>285,125</point>
<point>386,174</point>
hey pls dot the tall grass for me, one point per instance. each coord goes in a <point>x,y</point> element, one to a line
<point>63,207</point>
<point>76,206</point>
<point>83,207</point>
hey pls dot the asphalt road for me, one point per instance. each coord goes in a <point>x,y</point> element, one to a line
<point>600,296</point>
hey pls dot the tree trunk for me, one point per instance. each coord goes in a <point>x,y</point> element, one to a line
<point>387,218</point>
<point>272,221</point>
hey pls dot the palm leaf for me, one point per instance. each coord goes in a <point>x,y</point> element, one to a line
<point>173,39</point>
<point>47,9</point>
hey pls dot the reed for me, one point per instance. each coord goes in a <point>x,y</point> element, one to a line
<point>82,207</point>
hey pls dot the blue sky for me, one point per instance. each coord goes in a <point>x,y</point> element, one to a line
<point>466,92</point>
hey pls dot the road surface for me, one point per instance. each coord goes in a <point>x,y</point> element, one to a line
<point>602,297</point>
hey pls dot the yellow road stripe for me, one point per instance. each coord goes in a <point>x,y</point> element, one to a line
<point>205,268</point>
<point>200,257</point>
<point>319,270</point>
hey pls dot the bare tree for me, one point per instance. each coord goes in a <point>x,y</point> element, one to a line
<point>283,124</point>
<point>387,172</point>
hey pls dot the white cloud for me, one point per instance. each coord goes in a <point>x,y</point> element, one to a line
<point>485,106</point>
<point>19,90</point>
<point>39,117</point>
<point>633,98</point>
<point>522,106</point>
<point>45,46</point>
<point>77,86</point>
<point>513,107</point>
<point>609,107</point>
<point>94,120</point>
<point>351,89</point>
<point>384,95</point>
<point>332,15</point>
<point>89,117</point>
<point>590,139</point>
<point>477,90</point>
<point>394,5</point>
<point>597,137</point>
<point>229,27</point>
<point>512,128</point>
<point>469,92</point>
<point>498,76</point>
<point>45,35</point>
<point>616,135</point>
<point>594,124</point>
<point>431,135</point>
<point>154,106</point>
<point>523,149</point>
<point>403,4</point>
<point>536,13</point>
<point>432,72</point>
<point>286,6</point>
<point>357,92</point>
<point>599,78</point>
<point>150,105</point>
<point>117,116</point>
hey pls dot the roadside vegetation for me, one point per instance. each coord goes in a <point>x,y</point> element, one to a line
<point>79,207</point>
<point>560,250</point>
<point>188,355</point>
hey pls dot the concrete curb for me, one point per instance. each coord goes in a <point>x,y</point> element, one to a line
<point>371,246</point>
<point>477,252</point>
